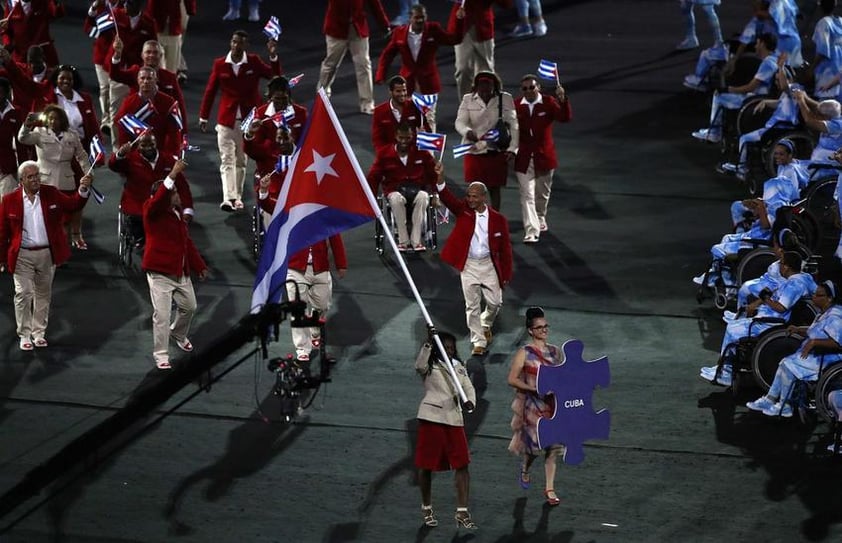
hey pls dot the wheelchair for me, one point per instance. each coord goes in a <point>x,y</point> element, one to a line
<point>429,236</point>
<point>744,265</point>
<point>127,237</point>
<point>759,156</point>
<point>258,232</point>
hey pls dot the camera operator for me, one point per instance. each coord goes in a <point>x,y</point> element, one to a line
<point>442,444</point>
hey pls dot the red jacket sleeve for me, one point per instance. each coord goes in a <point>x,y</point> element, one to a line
<point>451,202</point>
<point>210,91</point>
<point>386,58</point>
<point>338,250</point>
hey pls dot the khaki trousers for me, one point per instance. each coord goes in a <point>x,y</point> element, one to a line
<point>33,278</point>
<point>316,289</point>
<point>472,56</point>
<point>479,282</point>
<point>163,291</point>
<point>171,59</point>
<point>534,197</point>
<point>335,52</point>
<point>419,213</point>
<point>104,80</point>
<point>232,161</point>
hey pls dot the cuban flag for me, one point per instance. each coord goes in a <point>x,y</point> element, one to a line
<point>96,150</point>
<point>293,81</point>
<point>491,135</point>
<point>98,196</point>
<point>461,150</point>
<point>548,70</point>
<point>175,113</point>
<point>133,125</point>
<point>244,126</point>
<point>283,163</point>
<point>103,22</point>
<point>323,193</point>
<point>145,111</point>
<point>272,28</point>
<point>282,118</point>
<point>424,102</point>
<point>428,141</point>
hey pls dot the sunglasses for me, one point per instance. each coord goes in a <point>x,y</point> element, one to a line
<point>531,87</point>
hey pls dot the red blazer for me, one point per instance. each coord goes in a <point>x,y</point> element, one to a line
<point>455,251</point>
<point>54,205</point>
<point>26,90</point>
<point>238,91</point>
<point>90,123</point>
<point>478,13</point>
<point>10,123</point>
<point>133,36</point>
<point>341,14</point>
<point>169,249</point>
<point>139,175</point>
<point>264,152</point>
<point>25,31</point>
<point>268,204</point>
<point>163,125</point>
<point>389,171</point>
<point>321,262</point>
<point>423,71</point>
<point>296,125</point>
<point>384,125</point>
<point>102,43</point>
<point>167,15</point>
<point>536,132</point>
<point>167,82</point>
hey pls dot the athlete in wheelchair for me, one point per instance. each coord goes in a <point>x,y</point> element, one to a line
<point>770,309</point>
<point>408,179</point>
<point>821,347</point>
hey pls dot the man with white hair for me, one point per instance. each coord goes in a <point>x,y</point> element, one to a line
<point>824,117</point>
<point>32,244</point>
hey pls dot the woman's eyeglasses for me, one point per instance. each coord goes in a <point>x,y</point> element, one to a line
<point>543,328</point>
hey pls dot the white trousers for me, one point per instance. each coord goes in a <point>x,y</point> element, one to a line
<point>8,184</point>
<point>335,52</point>
<point>171,59</point>
<point>535,191</point>
<point>479,282</point>
<point>163,291</point>
<point>419,213</point>
<point>472,56</point>
<point>316,289</point>
<point>232,161</point>
<point>33,278</point>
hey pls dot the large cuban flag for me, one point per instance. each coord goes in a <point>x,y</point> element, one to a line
<point>324,192</point>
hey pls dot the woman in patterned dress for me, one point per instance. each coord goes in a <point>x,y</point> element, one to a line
<point>528,406</point>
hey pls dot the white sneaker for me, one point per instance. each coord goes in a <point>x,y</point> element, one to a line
<point>694,82</point>
<point>254,14</point>
<point>760,404</point>
<point>705,134</point>
<point>699,279</point>
<point>539,29</point>
<point>690,42</point>
<point>776,410</point>
<point>232,15</point>
<point>729,316</point>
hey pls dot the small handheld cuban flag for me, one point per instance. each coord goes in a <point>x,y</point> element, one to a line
<point>282,118</point>
<point>283,163</point>
<point>442,215</point>
<point>491,135</point>
<point>103,22</point>
<point>98,196</point>
<point>548,70</point>
<point>145,111</point>
<point>293,81</point>
<point>175,113</point>
<point>96,151</point>
<point>461,150</point>
<point>244,126</point>
<point>133,125</point>
<point>424,102</point>
<point>186,147</point>
<point>428,141</point>
<point>272,28</point>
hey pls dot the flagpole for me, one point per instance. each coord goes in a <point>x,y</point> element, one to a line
<point>443,147</point>
<point>387,231</point>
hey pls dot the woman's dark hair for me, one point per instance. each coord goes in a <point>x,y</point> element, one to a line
<point>77,79</point>
<point>277,83</point>
<point>64,124</point>
<point>444,337</point>
<point>830,289</point>
<point>491,76</point>
<point>533,313</point>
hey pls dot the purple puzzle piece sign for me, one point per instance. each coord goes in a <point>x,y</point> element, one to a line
<point>572,383</point>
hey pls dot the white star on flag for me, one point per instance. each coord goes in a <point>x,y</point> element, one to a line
<point>321,166</point>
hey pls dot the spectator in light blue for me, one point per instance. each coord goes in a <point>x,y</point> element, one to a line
<point>534,26</point>
<point>796,285</point>
<point>691,41</point>
<point>824,117</point>
<point>827,63</point>
<point>804,364</point>
<point>785,15</point>
<point>403,13</point>
<point>234,10</point>
<point>734,96</point>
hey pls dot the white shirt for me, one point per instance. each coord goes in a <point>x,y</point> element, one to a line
<point>531,105</point>
<point>71,108</point>
<point>396,111</point>
<point>235,66</point>
<point>9,107</point>
<point>479,241</point>
<point>34,230</point>
<point>413,40</point>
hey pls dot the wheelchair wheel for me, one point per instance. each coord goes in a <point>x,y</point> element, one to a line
<point>257,232</point>
<point>824,210</point>
<point>748,120</point>
<point>803,313</point>
<point>379,235</point>
<point>431,229</point>
<point>807,229</point>
<point>829,380</point>
<point>744,70</point>
<point>772,347</point>
<point>804,145</point>
<point>125,241</point>
<point>754,264</point>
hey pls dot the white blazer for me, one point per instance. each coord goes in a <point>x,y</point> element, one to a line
<point>55,154</point>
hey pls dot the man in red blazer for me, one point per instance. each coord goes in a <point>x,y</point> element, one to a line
<point>141,165</point>
<point>480,248</point>
<point>10,121</point>
<point>536,158</point>
<point>170,24</point>
<point>27,23</point>
<point>237,76</point>
<point>156,109</point>
<point>406,175</point>
<point>476,51</point>
<point>396,110</point>
<point>267,118</point>
<point>168,260</point>
<point>309,269</point>
<point>346,28</point>
<point>126,74</point>
<point>417,43</point>
<point>32,244</point>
